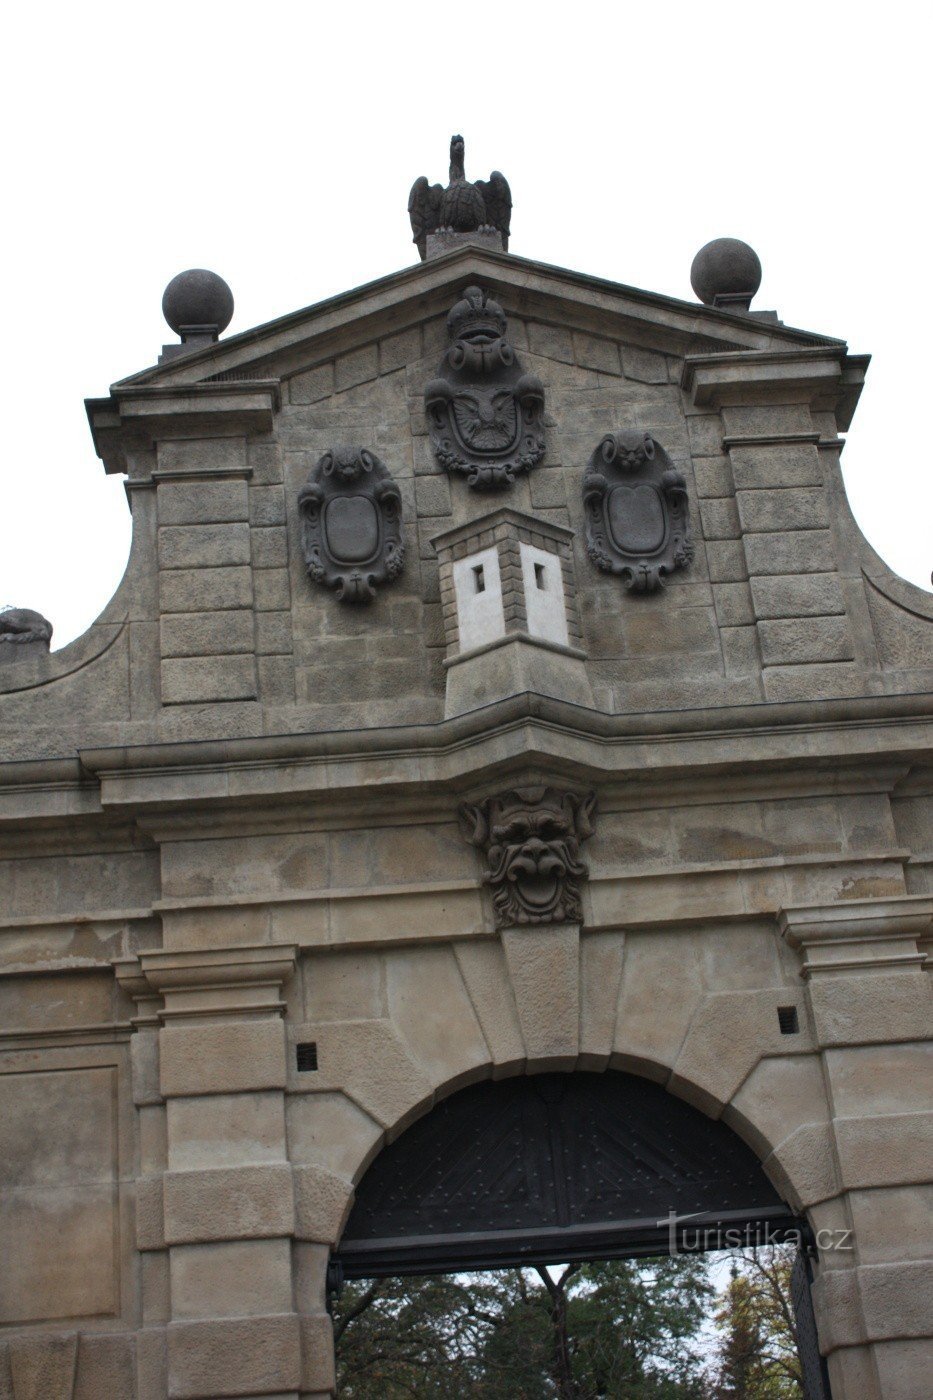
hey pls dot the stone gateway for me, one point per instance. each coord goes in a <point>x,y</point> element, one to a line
<point>300,898</point>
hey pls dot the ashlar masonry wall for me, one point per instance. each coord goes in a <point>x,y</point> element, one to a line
<point>230,825</point>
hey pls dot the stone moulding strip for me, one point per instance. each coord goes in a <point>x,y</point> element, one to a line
<point>773,439</point>
<point>93,1033</point>
<point>514,637</point>
<point>200,473</point>
<point>605,889</point>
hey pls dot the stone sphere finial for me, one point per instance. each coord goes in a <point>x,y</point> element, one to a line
<point>199,301</point>
<point>726,272</point>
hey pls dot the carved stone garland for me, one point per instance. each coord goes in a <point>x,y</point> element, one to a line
<point>637,516</point>
<point>531,839</point>
<point>485,416</point>
<point>351,512</point>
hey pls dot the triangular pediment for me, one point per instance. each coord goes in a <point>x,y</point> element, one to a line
<point>555,296</point>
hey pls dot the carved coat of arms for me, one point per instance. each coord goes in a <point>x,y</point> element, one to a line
<point>485,416</point>
<point>637,515</point>
<point>351,514</point>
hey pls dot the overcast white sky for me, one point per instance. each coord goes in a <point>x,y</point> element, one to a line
<point>277,143</point>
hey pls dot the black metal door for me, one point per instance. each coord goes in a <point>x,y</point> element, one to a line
<point>556,1167</point>
<point>812,1364</point>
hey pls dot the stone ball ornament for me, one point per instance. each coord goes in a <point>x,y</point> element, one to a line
<point>197,298</point>
<point>726,272</point>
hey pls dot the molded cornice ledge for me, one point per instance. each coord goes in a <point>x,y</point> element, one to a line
<point>826,377</point>
<point>238,981</point>
<point>863,935</point>
<point>138,415</point>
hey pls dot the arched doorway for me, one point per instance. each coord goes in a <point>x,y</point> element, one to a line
<point>557,1167</point>
<point>551,1168</point>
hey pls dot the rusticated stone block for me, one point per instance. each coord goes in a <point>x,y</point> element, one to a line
<point>203,546</point>
<point>776,465</point>
<point>789,641</point>
<point>891,1149</point>
<point>810,682</point>
<point>43,1366</point>
<point>224,1058</point>
<point>729,1034</point>
<point>273,590</point>
<point>150,1222</point>
<point>733,604</point>
<point>229,1203</point>
<point>267,505</point>
<point>201,502</point>
<point>544,967</point>
<point>797,595</point>
<point>270,547</point>
<point>317,1353</point>
<point>231,1278</point>
<point>347,1051</point>
<point>322,1204</point>
<point>315,384</point>
<point>719,519</point>
<point>726,560</point>
<point>203,678</point>
<point>592,352</point>
<point>801,551</point>
<point>243,1356</point>
<point>645,366</point>
<point>106,1367</point>
<point>202,590</point>
<point>226,454</point>
<point>552,342</point>
<point>713,476</point>
<point>206,634</point>
<point>786,509</point>
<point>356,368</point>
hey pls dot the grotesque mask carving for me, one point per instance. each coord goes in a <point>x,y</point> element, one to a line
<point>531,838</point>
<point>486,418</point>
<point>351,514</point>
<point>637,517</point>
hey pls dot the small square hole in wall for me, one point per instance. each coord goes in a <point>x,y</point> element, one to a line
<point>479,581</point>
<point>306,1056</point>
<point>788,1020</point>
<point>540,576</point>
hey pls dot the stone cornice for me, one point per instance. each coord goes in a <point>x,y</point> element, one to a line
<point>404,298</point>
<point>825,376</point>
<point>859,935</point>
<point>143,413</point>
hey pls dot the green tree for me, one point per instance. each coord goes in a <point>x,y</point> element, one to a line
<point>758,1357</point>
<point>614,1331</point>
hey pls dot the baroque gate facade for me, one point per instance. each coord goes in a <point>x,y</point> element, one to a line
<point>499,685</point>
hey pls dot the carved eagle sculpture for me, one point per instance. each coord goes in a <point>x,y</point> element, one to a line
<point>465,206</point>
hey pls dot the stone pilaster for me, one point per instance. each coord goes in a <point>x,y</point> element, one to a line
<point>223,1209</point>
<point>872,1007</point>
<point>777,536</point>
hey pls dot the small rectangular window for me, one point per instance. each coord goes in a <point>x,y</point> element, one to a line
<point>788,1020</point>
<point>306,1056</point>
<point>478,578</point>
<point>540,576</point>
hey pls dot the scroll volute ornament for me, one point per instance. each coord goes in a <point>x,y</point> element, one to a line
<point>637,515</point>
<point>485,415</point>
<point>531,839</point>
<point>351,524</point>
